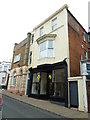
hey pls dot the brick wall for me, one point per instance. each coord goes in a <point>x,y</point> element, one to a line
<point>23,49</point>
<point>76,45</point>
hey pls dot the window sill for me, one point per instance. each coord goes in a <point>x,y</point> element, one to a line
<point>46,58</point>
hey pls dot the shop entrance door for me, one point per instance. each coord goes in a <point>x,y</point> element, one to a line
<point>88,94</point>
<point>73,87</point>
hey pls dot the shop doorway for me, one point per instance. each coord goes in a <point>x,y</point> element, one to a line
<point>88,94</point>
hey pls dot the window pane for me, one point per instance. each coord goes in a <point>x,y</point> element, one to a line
<point>35,88</point>
<point>43,54</point>
<point>35,77</point>
<point>50,53</point>
<point>50,44</point>
<point>46,49</point>
<point>41,31</point>
<point>59,89</point>
<point>83,36</point>
<point>3,80</point>
<point>43,46</point>
<point>59,83</point>
<point>54,24</point>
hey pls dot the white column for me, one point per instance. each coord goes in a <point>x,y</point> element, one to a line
<point>26,83</point>
<point>85,94</point>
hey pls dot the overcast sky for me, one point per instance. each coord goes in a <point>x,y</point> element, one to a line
<point>18,17</point>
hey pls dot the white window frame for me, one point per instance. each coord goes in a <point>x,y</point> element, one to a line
<point>47,50</point>
<point>3,80</point>
<point>54,23</point>
<point>41,31</point>
<point>86,56</point>
<point>84,37</point>
<point>17,58</point>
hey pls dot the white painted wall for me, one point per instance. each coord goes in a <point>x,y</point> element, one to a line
<point>61,44</point>
<point>82,95</point>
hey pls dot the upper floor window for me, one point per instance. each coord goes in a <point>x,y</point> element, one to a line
<point>46,49</point>
<point>85,53</point>
<point>5,68</point>
<point>17,58</point>
<point>84,36</point>
<point>41,31</point>
<point>1,68</point>
<point>30,59</point>
<point>3,80</point>
<point>89,38</point>
<point>81,57</point>
<point>54,24</point>
<point>32,38</point>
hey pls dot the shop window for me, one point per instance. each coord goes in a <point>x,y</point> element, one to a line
<point>35,83</point>
<point>59,83</point>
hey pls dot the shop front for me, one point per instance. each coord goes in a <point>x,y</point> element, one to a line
<point>49,81</point>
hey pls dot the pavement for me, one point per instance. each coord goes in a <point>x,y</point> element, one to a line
<point>49,106</point>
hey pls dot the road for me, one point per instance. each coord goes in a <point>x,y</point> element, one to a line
<point>15,109</point>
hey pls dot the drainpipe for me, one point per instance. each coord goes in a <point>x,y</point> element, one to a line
<point>85,94</point>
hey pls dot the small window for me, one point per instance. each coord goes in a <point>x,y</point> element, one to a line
<point>41,31</point>
<point>17,58</point>
<point>30,57</point>
<point>5,68</point>
<point>54,24</point>
<point>0,68</point>
<point>3,80</point>
<point>32,39</point>
<point>85,53</point>
<point>84,36</point>
<point>81,57</point>
<point>89,38</point>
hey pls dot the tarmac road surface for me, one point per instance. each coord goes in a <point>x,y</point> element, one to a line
<point>15,109</point>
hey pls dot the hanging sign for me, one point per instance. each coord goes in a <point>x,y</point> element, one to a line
<point>50,77</point>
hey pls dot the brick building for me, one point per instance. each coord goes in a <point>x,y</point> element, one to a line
<point>18,73</point>
<point>59,44</point>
